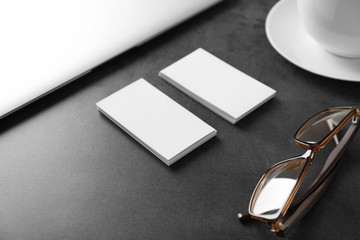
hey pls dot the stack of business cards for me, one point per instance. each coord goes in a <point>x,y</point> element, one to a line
<point>222,88</point>
<point>156,121</point>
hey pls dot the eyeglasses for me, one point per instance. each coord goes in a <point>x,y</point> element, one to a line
<point>275,192</point>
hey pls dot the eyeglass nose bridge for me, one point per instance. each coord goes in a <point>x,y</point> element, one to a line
<point>356,119</point>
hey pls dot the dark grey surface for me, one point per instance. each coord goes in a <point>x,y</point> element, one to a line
<point>67,172</point>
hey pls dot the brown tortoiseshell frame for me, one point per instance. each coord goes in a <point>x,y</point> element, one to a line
<point>315,190</point>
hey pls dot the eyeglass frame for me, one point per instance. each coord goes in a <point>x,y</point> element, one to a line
<point>317,188</point>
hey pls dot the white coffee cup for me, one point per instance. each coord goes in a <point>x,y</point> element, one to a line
<point>334,24</point>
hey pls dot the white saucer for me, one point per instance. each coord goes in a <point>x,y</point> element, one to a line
<point>288,37</point>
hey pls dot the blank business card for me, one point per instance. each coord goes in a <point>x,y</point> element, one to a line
<point>222,88</point>
<point>156,121</point>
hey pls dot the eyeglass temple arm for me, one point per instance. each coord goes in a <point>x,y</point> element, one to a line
<point>331,165</point>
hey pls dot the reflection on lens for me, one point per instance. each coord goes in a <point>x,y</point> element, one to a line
<point>317,128</point>
<point>275,188</point>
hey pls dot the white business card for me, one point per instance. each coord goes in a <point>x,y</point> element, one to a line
<point>156,121</point>
<point>219,86</point>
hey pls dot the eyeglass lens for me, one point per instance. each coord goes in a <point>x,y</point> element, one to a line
<point>276,187</point>
<point>317,128</point>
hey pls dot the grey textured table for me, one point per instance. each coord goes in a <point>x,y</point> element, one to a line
<point>67,172</point>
